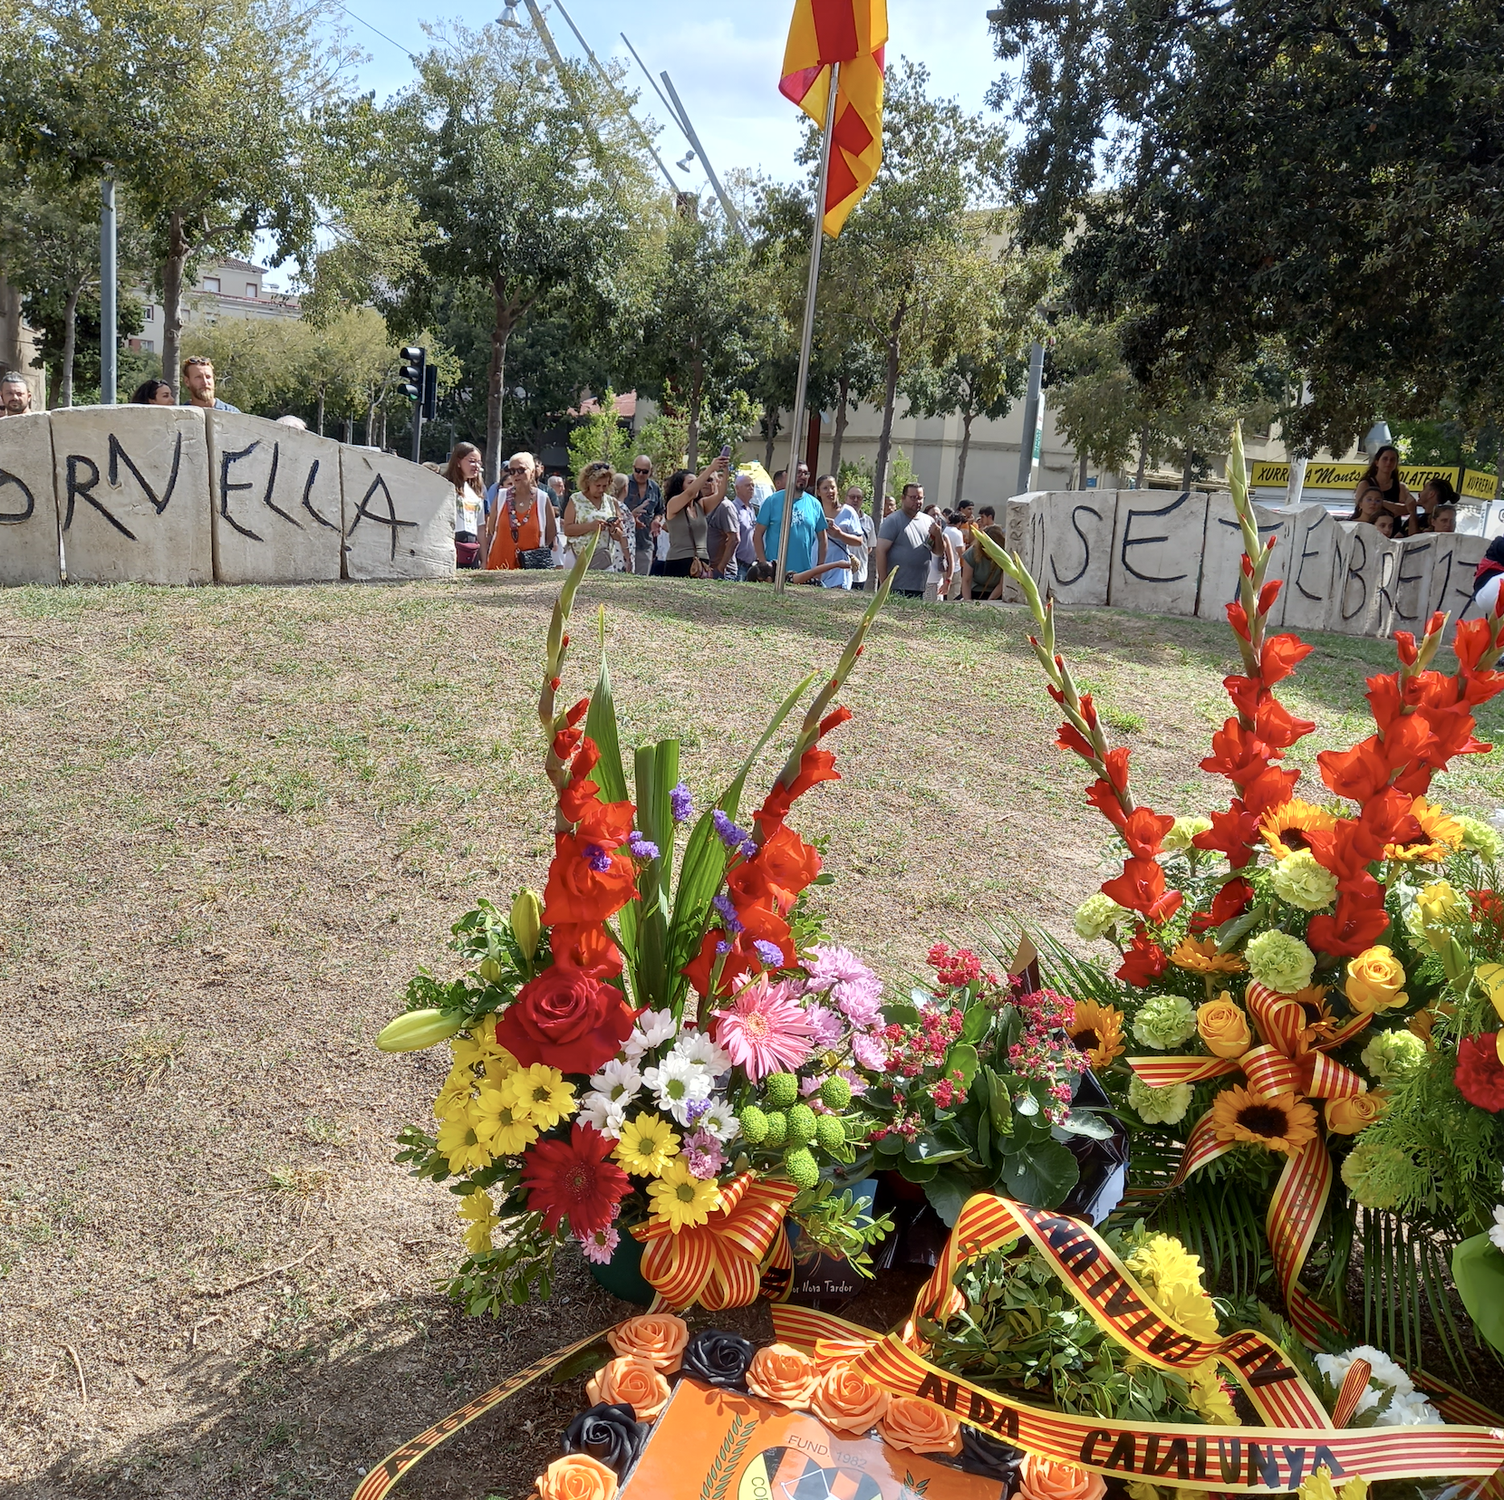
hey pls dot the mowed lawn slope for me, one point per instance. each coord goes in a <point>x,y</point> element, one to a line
<point>234,821</point>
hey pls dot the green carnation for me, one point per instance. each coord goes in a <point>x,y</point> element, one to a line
<point>1183,830</point>
<point>1480,836</point>
<point>835,1092</point>
<point>781,1089</point>
<point>1382,1176</point>
<point>1301,881</point>
<point>799,1162</point>
<point>830,1133</point>
<point>1097,915</point>
<point>1390,1055</point>
<point>1279,961</point>
<point>1165,1021</point>
<point>1163,1106</point>
<point>754,1123</point>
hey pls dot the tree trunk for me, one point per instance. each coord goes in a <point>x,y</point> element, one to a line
<point>501,330</point>
<point>967,418</point>
<point>770,430</point>
<point>319,420</point>
<point>1143,458</point>
<point>1185,470</point>
<point>172,300</point>
<point>370,423</point>
<point>70,342</point>
<point>884,444</point>
<point>838,437</point>
<point>1083,462</point>
<point>692,431</point>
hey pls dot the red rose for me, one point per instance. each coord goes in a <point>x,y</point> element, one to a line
<point>1480,1074</point>
<point>566,1019</point>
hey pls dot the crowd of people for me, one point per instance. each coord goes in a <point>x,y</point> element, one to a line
<point>1382,500</point>
<point>714,525</point>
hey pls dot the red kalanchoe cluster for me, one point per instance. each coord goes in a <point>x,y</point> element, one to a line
<point>1480,1074</point>
<point>913,1050</point>
<point>954,971</point>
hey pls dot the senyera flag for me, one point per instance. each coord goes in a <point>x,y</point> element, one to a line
<point>852,33</point>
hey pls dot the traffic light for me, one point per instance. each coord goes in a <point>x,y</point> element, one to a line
<point>430,393</point>
<point>411,375</point>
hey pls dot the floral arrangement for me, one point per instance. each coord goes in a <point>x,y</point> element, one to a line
<point>1300,1019</point>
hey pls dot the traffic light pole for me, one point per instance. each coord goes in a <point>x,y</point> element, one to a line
<point>417,431</point>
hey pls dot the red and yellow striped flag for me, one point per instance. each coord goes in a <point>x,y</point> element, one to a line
<point>852,33</point>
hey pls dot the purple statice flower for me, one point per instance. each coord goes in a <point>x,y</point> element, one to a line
<point>825,1025</point>
<point>723,948</point>
<point>749,848</point>
<point>694,1109</point>
<point>597,858</point>
<point>642,848</point>
<point>733,923</point>
<point>770,953</point>
<point>679,803</point>
<point>703,1153</point>
<point>727,831</point>
<point>869,1051</point>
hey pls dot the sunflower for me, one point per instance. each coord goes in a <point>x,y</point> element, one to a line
<point>1200,956</point>
<point>680,1198</point>
<point>1440,835</point>
<point>1285,827</point>
<point>1282,1122</point>
<point>1098,1031</point>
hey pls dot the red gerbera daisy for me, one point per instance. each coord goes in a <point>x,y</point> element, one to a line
<point>574,1180</point>
<point>1480,1074</point>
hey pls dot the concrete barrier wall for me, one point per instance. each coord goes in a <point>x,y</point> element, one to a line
<point>171,494</point>
<point>1162,553</point>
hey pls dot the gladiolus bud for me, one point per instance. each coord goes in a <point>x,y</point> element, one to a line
<point>1405,647</point>
<point>1267,595</point>
<point>527,921</point>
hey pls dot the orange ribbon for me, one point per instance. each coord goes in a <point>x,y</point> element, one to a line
<point>1291,1059</point>
<point>719,1264</point>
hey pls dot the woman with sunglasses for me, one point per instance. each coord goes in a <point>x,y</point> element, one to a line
<point>522,516</point>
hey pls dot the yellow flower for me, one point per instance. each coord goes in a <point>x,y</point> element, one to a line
<point>1353,1112</point>
<point>1209,1396</point>
<point>1439,835</point>
<point>499,1068</point>
<point>500,1124</point>
<point>680,1198</point>
<point>1200,956</point>
<point>1491,977</point>
<point>464,1149</point>
<point>1223,1027</point>
<point>453,1101</point>
<point>646,1145</point>
<point>480,1045</point>
<point>1281,1122</point>
<point>1286,826</point>
<point>539,1094</point>
<point>1171,1276</point>
<point>478,1209</point>
<point>1374,978</point>
<point>1320,1487</point>
<point>1098,1031</point>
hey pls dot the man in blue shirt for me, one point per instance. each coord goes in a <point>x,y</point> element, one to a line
<point>806,527</point>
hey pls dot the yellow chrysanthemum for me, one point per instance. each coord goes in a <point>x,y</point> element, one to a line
<point>463,1148</point>
<point>681,1199</point>
<point>1320,1487</point>
<point>646,1145</point>
<point>499,1066</point>
<point>480,1046</point>
<point>1285,827</point>
<point>453,1101</point>
<point>1209,1396</point>
<point>1440,835</point>
<point>1281,1122</point>
<point>1171,1276</point>
<point>539,1094</point>
<point>501,1126</point>
<point>1098,1031</point>
<point>1200,956</point>
<point>480,1213</point>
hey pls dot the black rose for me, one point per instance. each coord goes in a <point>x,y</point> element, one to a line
<point>718,1358</point>
<point>610,1433</point>
<point>981,1453</point>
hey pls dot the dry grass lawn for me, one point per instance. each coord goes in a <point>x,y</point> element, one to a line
<point>235,820</point>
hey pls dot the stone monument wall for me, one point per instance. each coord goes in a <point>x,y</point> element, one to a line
<point>171,494</point>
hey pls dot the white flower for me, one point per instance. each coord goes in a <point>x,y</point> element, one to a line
<point>676,1083</point>
<point>720,1121</point>
<point>652,1030</point>
<point>1382,1371</point>
<point>618,1081</point>
<point>605,1113</point>
<point>1412,1410</point>
<point>694,1046</point>
<point>1496,1229</point>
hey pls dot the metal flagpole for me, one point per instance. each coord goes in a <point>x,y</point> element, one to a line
<point>780,581</point>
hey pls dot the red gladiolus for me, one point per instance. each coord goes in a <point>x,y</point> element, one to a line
<point>1277,726</point>
<point>1143,961</point>
<point>1280,657</point>
<point>1480,1074</point>
<point>1237,617</point>
<point>1270,788</point>
<point>1357,773</point>
<point>1470,640</point>
<point>586,882</point>
<point>1116,762</point>
<point>585,946</point>
<point>574,1180</point>
<point>1141,888</point>
<point>1405,647</point>
<point>1071,738</point>
<point>1357,926</point>
<point>1100,795</point>
<point>1232,833</point>
<point>1145,830</point>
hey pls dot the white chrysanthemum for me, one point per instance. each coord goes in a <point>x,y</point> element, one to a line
<point>605,1113</point>
<point>619,1081</point>
<point>1382,1371</point>
<point>720,1121</point>
<point>1412,1410</point>
<point>1496,1229</point>
<point>676,1084</point>
<point>697,1047</point>
<point>651,1030</point>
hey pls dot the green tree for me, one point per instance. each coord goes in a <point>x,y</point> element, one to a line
<point>1328,175</point>
<point>600,436</point>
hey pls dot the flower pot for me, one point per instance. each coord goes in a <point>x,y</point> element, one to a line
<point>622,1274</point>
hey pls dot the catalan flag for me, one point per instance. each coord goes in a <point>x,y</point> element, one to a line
<point>852,33</point>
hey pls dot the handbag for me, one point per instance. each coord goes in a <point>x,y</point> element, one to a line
<point>528,557</point>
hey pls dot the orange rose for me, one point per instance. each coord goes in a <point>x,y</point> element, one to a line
<point>576,1476</point>
<point>782,1374</point>
<point>1354,1112</point>
<point>921,1428</point>
<point>658,1338</point>
<point>848,1402</point>
<point>1039,1479</point>
<point>631,1379</point>
<point>1223,1027</point>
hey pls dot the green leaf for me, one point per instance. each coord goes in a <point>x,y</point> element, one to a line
<point>974,1027</point>
<point>900,1013</point>
<point>918,1171</point>
<point>948,1194</point>
<point>600,726</point>
<point>962,1058</point>
<point>1026,1104</point>
<point>657,769</point>
<point>1087,1122</point>
<point>1478,1270</point>
<point>927,1148</point>
<point>891,1144</point>
<point>1041,1177</point>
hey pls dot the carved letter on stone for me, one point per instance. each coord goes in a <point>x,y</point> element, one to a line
<point>1311,570</point>
<point>1077,560</point>
<point>1156,554</point>
<point>1222,558</point>
<point>28,512</point>
<point>399,518</point>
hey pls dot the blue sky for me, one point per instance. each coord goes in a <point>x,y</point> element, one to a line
<point>723,56</point>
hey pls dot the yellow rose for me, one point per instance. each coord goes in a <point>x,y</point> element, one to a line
<point>1353,1112</point>
<point>1223,1027</point>
<point>1491,977</point>
<point>1374,978</point>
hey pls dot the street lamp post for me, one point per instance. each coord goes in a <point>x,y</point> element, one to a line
<point>107,340</point>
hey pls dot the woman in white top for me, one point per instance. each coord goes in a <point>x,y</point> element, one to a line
<point>592,505</point>
<point>463,472</point>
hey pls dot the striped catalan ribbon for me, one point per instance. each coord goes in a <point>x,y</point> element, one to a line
<point>380,1480</point>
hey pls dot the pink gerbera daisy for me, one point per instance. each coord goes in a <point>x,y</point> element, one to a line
<point>764,1030</point>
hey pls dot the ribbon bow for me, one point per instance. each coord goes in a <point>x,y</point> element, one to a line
<point>1290,1059</point>
<point>718,1264</point>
